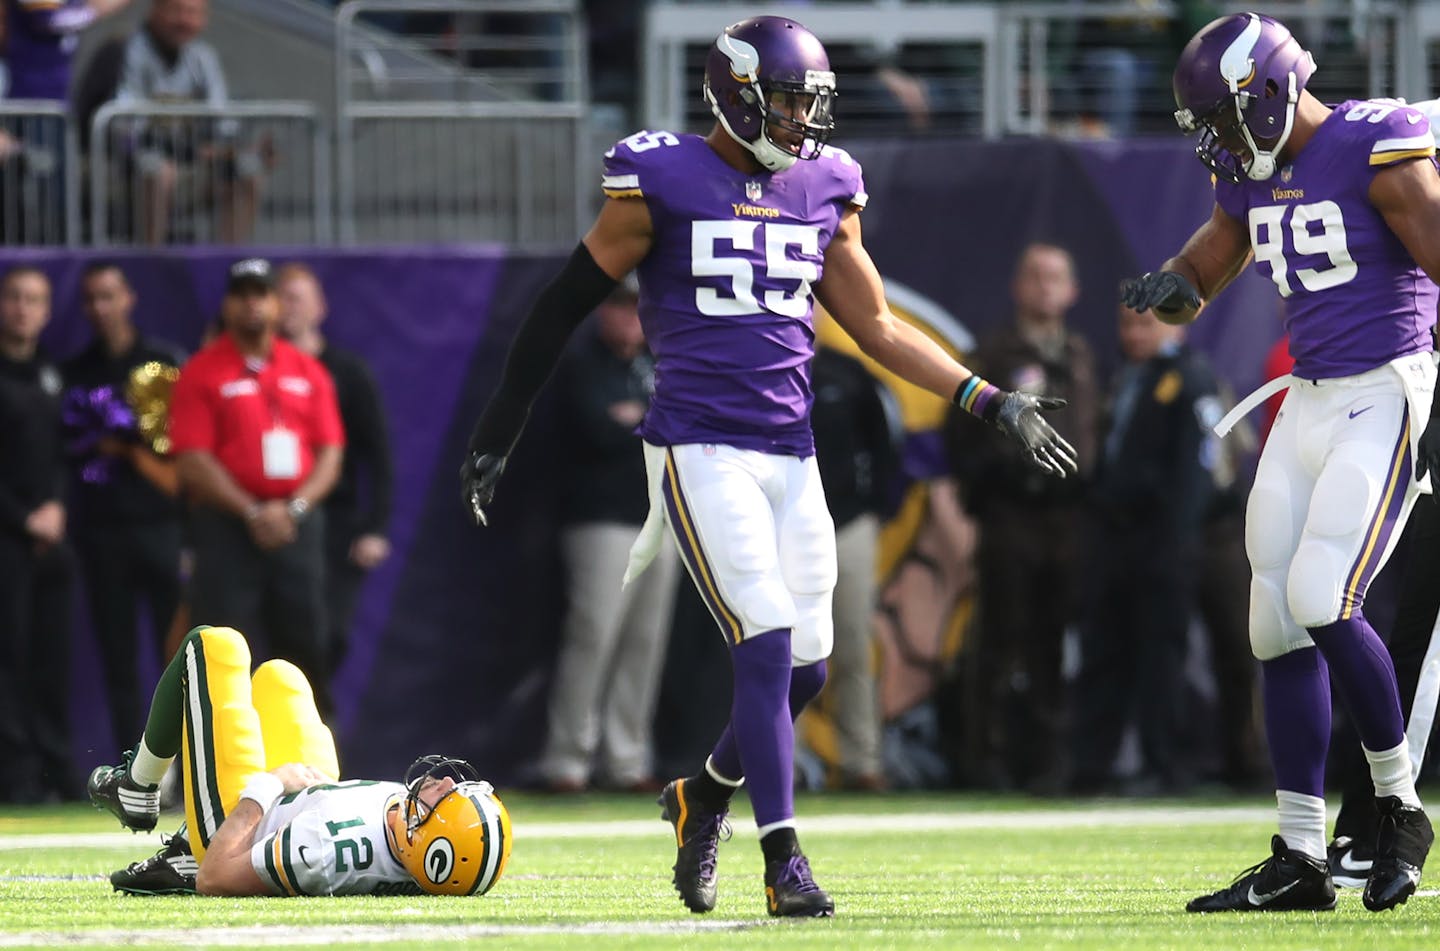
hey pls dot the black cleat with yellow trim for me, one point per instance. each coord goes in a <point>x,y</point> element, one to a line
<point>791,892</point>
<point>698,832</point>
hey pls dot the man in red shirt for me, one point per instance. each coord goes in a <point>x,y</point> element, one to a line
<point>255,429</point>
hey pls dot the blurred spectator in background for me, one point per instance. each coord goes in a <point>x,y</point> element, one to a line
<point>36,562</point>
<point>857,437</point>
<point>1152,486</point>
<point>1223,601</point>
<point>185,164</point>
<point>1278,362</point>
<point>40,38</point>
<point>1028,530</point>
<point>256,433</point>
<point>127,521</point>
<point>612,646</point>
<point>357,512</point>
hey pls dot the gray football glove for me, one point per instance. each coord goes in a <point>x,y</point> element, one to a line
<point>478,477</point>
<point>1019,418</point>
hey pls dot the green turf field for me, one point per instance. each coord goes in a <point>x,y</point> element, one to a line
<point>905,872</point>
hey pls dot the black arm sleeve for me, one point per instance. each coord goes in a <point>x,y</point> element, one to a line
<point>578,289</point>
<point>374,442</point>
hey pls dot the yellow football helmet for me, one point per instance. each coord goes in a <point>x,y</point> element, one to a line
<point>461,844</point>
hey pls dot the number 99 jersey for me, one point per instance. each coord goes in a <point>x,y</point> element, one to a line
<point>330,840</point>
<point>725,292</point>
<point>1354,297</point>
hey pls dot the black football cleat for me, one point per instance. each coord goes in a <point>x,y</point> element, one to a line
<point>1350,862</point>
<point>171,871</point>
<point>1400,849</point>
<point>697,845</point>
<point>791,892</point>
<point>136,806</point>
<point>1286,881</point>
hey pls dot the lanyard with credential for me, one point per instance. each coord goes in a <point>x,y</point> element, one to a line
<point>279,446</point>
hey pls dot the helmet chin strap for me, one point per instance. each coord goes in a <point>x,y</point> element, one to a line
<point>767,153</point>
<point>1262,162</point>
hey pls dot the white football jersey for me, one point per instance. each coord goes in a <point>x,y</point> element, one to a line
<point>330,840</point>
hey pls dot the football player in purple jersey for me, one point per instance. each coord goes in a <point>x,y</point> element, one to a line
<point>1340,207</point>
<point>733,235</point>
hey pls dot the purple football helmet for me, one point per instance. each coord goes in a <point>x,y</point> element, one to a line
<point>1238,82</point>
<point>768,81</point>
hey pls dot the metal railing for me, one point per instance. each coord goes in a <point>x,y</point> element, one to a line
<point>450,128</point>
<point>1029,68</point>
<point>957,44</point>
<point>246,172</point>
<point>39,163</point>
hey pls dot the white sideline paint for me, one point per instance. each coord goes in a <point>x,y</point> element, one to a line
<point>846,824</point>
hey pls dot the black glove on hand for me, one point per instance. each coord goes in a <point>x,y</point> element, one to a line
<point>477,483</point>
<point>1019,418</point>
<point>1428,457</point>
<point>1162,290</point>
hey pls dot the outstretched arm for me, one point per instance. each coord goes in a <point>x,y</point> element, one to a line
<point>854,295</point>
<point>1215,254</point>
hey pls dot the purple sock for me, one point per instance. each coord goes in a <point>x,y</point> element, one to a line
<point>1297,719</point>
<point>805,684</point>
<point>1365,677</point>
<point>760,719</point>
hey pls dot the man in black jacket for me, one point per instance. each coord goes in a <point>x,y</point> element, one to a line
<point>127,524</point>
<point>612,645</point>
<point>36,562</point>
<point>1152,486</point>
<point>1028,531</point>
<point>857,439</point>
<point>357,513</point>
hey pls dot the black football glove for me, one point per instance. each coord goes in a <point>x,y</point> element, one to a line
<point>1019,418</point>
<point>1428,457</point>
<point>1161,290</point>
<point>477,483</point>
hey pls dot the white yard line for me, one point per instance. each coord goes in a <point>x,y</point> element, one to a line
<point>846,824</point>
<point>261,936</point>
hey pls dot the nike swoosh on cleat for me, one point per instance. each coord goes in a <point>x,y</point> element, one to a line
<point>1357,412</point>
<point>1257,899</point>
<point>1349,864</point>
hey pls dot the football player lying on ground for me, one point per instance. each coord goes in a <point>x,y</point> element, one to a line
<point>264,813</point>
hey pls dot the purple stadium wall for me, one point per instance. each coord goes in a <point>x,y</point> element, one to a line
<point>456,634</point>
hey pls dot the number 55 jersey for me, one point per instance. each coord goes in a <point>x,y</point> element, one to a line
<point>1354,297</point>
<point>726,297</point>
<point>330,840</point>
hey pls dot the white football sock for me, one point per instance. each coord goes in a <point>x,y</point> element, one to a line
<point>1302,822</point>
<point>147,769</point>
<point>1390,769</point>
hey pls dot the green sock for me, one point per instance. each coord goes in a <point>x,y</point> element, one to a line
<point>162,730</point>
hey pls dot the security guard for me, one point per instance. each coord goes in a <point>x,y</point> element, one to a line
<point>256,432</point>
<point>1028,527</point>
<point>1152,487</point>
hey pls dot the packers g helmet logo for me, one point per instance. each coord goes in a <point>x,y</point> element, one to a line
<point>439,860</point>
